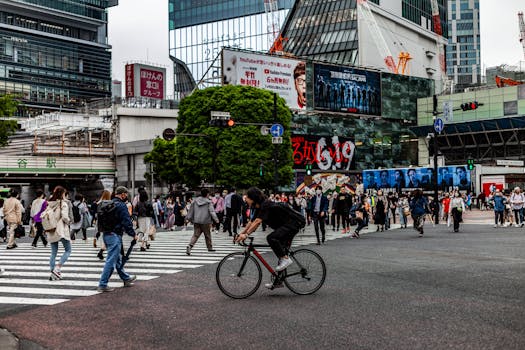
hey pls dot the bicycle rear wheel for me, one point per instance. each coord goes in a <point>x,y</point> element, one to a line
<point>238,276</point>
<point>307,273</point>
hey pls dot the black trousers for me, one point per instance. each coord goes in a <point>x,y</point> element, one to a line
<point>220,216</point>
<point>319,223</point>
<point>281,238</point>
<point>458,217</point>
<point>231,216</point>
<point>39,234</point>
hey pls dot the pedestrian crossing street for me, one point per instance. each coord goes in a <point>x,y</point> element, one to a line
<point>26,277</point>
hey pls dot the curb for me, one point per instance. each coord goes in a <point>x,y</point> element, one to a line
<point>9,341</point>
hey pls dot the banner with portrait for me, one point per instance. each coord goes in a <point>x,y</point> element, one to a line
<point>329,153</point>
<point>284,76</point>
<point>408,179</point>
<point>345,89</point>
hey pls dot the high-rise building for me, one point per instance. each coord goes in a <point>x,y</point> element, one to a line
<point>199,30</point>
<point>463,50</point>
<point>330,32</point>
<point>333,31</point>
<point>54,54</point>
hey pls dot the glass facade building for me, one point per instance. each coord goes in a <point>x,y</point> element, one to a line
<point>464,50</point>
<point>318,31</point>
<point>328,30</point>
<point>200,29</point>
<point>54,54</point>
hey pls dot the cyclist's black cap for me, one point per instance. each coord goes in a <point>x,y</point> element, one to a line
<point>256,195</point>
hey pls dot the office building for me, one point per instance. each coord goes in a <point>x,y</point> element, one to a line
<point>200,29</point>
<point>54,54</point>
<point>464,50</point>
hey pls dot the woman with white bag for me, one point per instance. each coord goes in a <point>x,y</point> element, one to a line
<point>57,215</point>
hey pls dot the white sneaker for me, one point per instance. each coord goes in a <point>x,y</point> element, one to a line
<point>283,264</point>
<point>516,225</point>
<point>496,226</point>
<point>273,286</point>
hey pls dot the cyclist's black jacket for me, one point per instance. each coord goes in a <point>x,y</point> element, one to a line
<point>274,215</point>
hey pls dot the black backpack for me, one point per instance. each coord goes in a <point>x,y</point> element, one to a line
<point>106,216</point>
<point>76,214</point>
<point>294,214</point>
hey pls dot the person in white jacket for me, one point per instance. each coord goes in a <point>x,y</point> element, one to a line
<point>457,207</point>
<point>58,204</point>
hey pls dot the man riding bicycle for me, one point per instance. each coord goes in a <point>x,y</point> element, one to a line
<point>283,220</point>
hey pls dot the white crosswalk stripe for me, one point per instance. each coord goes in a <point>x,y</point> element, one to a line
<point>26,277</point>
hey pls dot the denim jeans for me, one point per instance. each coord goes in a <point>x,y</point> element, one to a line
<point>54,251</point>
<point>114,260</point>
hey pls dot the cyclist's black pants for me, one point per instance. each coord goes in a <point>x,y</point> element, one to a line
<point>281,238</point>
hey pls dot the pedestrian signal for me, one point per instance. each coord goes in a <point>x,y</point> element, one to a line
<point>470,164</point>
<point>308,169</point>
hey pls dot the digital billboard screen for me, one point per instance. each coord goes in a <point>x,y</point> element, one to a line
<point>324,152</point>
<point>407,179</point>
<point>284,76</point>
<point>345,89</point>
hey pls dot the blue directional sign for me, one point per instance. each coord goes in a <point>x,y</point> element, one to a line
<point>438,125</point>
<point>277,130</point>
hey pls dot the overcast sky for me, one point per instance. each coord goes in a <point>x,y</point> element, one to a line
<point>139,32</point>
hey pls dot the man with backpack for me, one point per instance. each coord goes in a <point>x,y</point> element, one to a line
<point>285,221</point>
<point>113,221</point>
<point>80,219</point>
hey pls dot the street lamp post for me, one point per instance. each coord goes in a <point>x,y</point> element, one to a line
<point>436,149</point>
<point>436,198</point>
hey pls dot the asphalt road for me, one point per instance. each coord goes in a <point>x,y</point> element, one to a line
<point>388,290</point>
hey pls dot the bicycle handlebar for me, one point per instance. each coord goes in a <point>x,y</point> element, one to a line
<point>243,243</point>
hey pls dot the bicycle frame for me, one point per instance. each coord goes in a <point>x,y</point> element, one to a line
<point>278,275</point>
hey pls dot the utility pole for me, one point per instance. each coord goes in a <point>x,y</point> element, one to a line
<point>275,147</point>
<point>435,176</point>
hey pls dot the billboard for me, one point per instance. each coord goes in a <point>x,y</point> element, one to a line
<point>286,77</point>
<point>145,81</point>
<point>325,152</point>
<point>407,179</point>
<point>345,89</point>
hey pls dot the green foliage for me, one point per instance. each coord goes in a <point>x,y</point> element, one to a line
<point>235,153</point>
<point>164,161</point>
<point>7,110</point>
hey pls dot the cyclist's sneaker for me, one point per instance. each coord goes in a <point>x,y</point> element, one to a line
<point>283,264</point>
<point>273,286</point>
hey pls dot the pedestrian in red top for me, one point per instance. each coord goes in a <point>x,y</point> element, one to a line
<point>446,206</point>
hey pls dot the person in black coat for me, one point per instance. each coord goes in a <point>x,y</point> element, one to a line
<point>319,210</point>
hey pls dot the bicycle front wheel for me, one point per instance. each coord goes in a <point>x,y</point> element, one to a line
<point>238,275</point>
<point>307,273</point>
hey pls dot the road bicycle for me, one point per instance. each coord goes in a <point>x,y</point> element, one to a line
<point>239,274</point>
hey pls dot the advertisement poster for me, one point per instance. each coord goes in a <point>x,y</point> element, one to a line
<point>286,77</point>
<point>145,81</point>
<point>324,152</point>
<point>151,83</point>
<point>490,183</point>
<point>130,80</point>
<point>344,89</point>
<point>408,179</point>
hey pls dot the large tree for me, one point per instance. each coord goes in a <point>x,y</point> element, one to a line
<point>228,156</point>
<point>7,126</point>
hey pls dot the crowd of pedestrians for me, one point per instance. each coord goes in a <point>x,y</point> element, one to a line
<point>229,212</point>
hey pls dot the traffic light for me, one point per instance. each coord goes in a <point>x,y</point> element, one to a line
<point>309,168</point>
<point>261,169</point>
<point>470,164</point>
<point>469,106</point>
<point>222,123</point>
